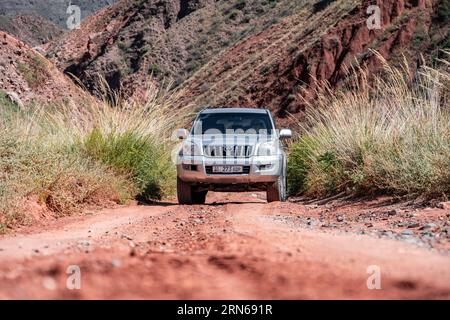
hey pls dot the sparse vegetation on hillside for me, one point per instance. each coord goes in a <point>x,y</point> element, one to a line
<point>54,10</point>
<point>34,71</point>
<point>241,75</point>
<point>66,157</point>
<point>5,101</point>
<point>393,138</point>
<point>231,23</point>
<point>178,45</point>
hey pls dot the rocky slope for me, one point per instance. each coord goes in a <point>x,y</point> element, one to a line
<point>246,52</point>
<point>31,28</point>
<point>293,57</point>
<point>53,10</point>
<point>133,41</point>
<point>26,76</point>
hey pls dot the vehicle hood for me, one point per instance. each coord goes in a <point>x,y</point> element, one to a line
<point>206,140</point>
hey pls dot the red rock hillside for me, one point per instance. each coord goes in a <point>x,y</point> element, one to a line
<point>27,76</point>
<point>246,53</point>
<point>278,67</point>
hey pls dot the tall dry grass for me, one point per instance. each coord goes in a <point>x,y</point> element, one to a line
<point>69,156</point>
<point>388,133</point>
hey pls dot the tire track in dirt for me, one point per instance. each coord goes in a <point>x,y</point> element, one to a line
<point>329,265</point>
<point>62,236</point>
<point>235,247</point>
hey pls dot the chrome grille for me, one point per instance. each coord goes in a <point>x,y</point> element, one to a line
<point>228,151</point>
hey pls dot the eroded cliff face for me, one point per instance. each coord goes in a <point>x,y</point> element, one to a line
<point>281,67</point>
<point>27,76</point>
<point>234,53</point>
<point>116,43</point>
<point>349,41</point>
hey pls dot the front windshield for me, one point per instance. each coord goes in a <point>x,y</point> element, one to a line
<point>233,123</point>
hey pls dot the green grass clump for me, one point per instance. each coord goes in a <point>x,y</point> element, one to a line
<point>298,166</point>
<point>389,135</point>
<point>141,158</point>
<point>61,181</point>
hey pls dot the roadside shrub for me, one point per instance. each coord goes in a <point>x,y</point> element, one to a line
<point>389,135</point>
<point>145,161</point>
<point>298,166</point>
<point>64,182</point>
<point>67,157</point>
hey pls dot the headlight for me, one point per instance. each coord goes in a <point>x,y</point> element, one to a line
<point>190,149</point>
<point>267,149</point>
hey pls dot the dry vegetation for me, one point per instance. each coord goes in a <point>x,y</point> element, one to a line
<point>385,134</point>
<point>71,156</point>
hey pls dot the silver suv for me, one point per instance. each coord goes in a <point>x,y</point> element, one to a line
<point>231,149</point>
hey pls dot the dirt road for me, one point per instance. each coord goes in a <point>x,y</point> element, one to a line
<point>235,247</point>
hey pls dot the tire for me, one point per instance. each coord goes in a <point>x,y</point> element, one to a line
<point>184,192</point>
<point>277,190</point>
<point>199,197</point>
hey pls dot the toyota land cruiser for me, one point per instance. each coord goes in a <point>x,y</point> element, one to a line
<point>231,149</point>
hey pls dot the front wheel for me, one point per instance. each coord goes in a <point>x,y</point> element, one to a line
<point>199,197</point>
<point>277,190</point>
<point>188,196</point>
<point>184,192</point>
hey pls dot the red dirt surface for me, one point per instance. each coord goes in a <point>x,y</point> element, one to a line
<point>234,247</point>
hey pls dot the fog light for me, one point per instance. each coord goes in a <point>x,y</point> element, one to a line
<point>190,167</point>
<point>265,167</point>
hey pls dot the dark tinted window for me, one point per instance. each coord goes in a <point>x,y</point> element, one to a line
<point>237,123</point>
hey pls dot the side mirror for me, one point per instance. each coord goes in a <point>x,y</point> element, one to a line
<point>285,134</point>
<point>182,134</point>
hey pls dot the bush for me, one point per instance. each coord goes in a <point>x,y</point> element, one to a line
<point>140,158</point>
<point>70,156</point>
<point>298,166</point>
<point>122,46</point>
<point>62,181</point>
<point>392,136</point>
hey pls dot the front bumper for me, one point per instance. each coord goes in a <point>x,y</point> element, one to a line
<point>265,169</point>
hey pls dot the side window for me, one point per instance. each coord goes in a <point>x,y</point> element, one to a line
<point>195,125</point>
